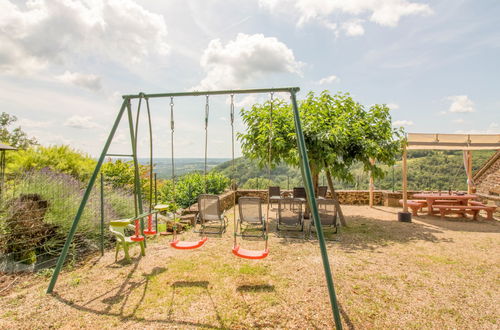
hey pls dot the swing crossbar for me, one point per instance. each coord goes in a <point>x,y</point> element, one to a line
<point>219,92</point>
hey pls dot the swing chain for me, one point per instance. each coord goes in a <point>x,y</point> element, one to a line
<point>207,110</point>
<point>232,109</point>
<point>172,113</point>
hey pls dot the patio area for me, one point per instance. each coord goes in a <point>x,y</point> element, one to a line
<point>426,274</point>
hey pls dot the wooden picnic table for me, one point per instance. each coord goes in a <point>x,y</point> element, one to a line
<point>433,197</point>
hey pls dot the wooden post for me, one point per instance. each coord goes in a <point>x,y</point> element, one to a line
<point>469,172</point>
<point>371,187</point>
<point>405,182</point>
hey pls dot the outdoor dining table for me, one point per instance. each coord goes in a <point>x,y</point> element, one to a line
<point>433,197</point>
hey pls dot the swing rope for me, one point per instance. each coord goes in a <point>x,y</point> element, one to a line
<point>269,162</point>
<point>150,230</point>
<point>173,163</point>
<point>237,250</point>
<point>233,174</point>
<point>177,244</point>
<point>207,111</point>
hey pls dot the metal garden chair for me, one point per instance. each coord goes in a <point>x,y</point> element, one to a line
<point>290,216</point>
<point>327,215</point>
<point>250,216</point>
<point>210,214</point>
<point>274,194</point>
<point>322,190</point>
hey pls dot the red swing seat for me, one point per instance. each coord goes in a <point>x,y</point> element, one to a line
<point>187,245</point>
<point>250,254</point>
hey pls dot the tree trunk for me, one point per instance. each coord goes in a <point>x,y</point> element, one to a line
<point>335,197</point>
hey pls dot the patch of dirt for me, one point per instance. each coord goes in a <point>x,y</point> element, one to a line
<point>425,274</point>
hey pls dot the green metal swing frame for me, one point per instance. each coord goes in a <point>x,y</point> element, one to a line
<point>304,166</point>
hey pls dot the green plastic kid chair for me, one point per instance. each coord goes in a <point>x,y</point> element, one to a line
<point>117,227</point>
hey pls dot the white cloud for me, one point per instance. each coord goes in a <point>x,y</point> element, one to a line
<point>328,80</point>
<point>88,81</point>
<point>382,12</point>
<point>245,101</point>
<point>493,128</point>
<point>399,123</point>
<point>59,32</point>
<point>353,28</point>
<point>458,121</point>
<point>393,106</point>
<point>243,59</point>
<point>46,137</point>
<point>461,103</point>
<point>29,123</point>
<point>83,122</point>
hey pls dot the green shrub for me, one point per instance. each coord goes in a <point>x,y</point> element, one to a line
<point>61,159</point>
<point>190,186</point>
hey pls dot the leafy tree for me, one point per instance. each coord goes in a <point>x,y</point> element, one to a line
<point>119,173</point>
<point>16,138</point>
<point>338,131</point>
<point>62,159</point>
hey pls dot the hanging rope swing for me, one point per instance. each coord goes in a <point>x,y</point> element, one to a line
<point>176,243</point>
<point>237,249</point>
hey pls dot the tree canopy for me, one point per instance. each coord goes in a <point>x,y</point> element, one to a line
<point>338,132</point>
<point>16,137</point>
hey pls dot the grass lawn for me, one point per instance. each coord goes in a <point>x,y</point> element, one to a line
<point>388,275</point>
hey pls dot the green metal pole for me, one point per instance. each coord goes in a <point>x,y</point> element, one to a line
<point>219,92</point>
<point>137,182</point>
<point>306,174</point>
<point>86,195</point>
<point>102,215</point>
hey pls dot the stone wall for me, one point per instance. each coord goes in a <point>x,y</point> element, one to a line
<point>346,197</point>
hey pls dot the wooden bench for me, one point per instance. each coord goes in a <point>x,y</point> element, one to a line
<point>414,204</point>
<point>490,209</point>
<point>459,209</point>
<point>446,202</point>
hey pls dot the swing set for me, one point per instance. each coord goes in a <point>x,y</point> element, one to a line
<point>141,232</point>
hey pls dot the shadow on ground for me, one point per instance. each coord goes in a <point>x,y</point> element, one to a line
<point>125,290</point>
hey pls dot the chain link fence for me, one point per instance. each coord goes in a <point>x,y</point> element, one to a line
<point>36,213</point>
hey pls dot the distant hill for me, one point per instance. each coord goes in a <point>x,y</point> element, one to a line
<point>427,169</point>
<point>163,166</point>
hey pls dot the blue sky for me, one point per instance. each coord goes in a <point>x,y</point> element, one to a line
<point>65,64</point>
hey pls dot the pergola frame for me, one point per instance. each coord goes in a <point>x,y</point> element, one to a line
<point>464,142</point>
<point>304,164</point>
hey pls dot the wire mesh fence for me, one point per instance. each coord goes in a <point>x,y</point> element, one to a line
<point>36,213</point>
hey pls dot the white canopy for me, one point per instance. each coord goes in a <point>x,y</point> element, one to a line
<point>422,141</point>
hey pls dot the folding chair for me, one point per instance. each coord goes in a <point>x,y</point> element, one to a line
<point>210,214</point>
<point>250,216</point>
<point>274,195</point>
<point>290,217</point>
<point>327,215</point>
